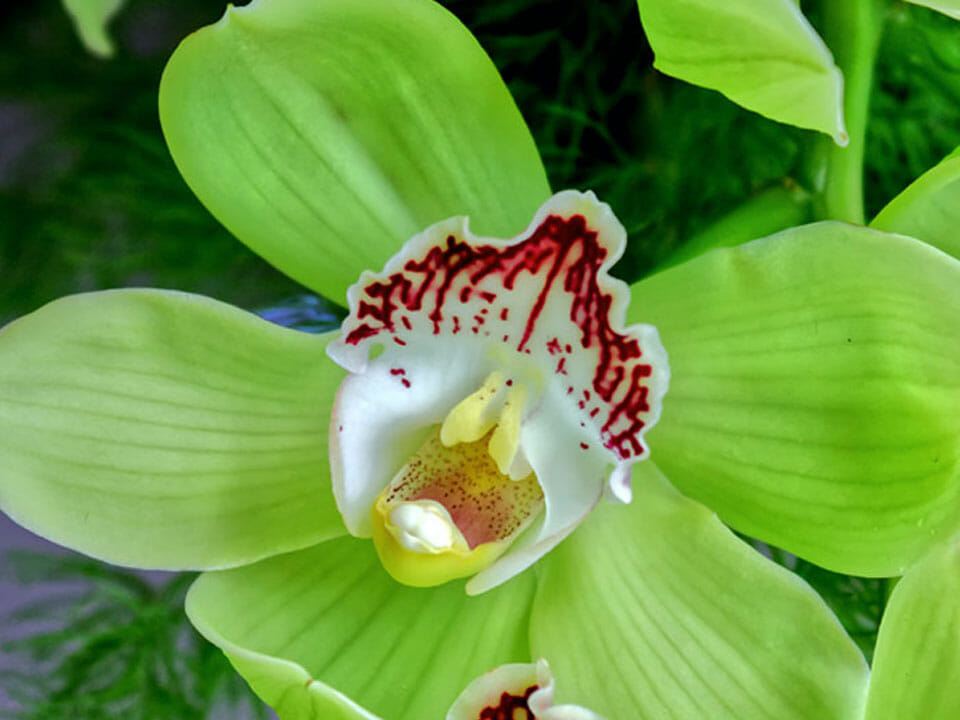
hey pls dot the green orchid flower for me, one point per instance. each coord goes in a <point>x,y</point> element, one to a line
<point>811,404</point>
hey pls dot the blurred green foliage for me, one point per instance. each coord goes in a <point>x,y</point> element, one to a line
<point>114,645</point>
<point>90,199</point>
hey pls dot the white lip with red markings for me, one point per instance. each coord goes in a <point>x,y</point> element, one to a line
<point>540,311</point>
<point>518,691</point>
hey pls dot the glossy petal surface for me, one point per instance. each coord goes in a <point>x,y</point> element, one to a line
<point>165,430</point>
<point>310,628</point>
<point>762,54</point>
<point>928,209</point>
<point>815,392</point>
<point>916,667</point>
<point>656,610</point>
<point>325,134</point>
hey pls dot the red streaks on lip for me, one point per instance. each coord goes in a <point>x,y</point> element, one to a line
<point>566,257</point>
<point>510,707</point>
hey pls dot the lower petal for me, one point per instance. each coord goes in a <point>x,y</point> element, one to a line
<point>656,610</point>
<point>325,631</point>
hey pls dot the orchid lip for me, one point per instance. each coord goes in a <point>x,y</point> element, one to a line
<point>520,341</point>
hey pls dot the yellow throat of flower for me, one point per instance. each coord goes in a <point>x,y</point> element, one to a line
<point>464,496</point>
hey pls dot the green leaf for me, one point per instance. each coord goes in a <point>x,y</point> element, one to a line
<point>325,134</point>
<point>947,7</point>
<point>656,610</point>
<point>91,17</point>
<point>929,208</point>
<point>325,633</point>
<point>815,392</point>
<point>165,430</point>
<point>762,54</point>
<point>916,669</point>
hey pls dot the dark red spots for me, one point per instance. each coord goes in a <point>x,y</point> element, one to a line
<point>399,341</point>
<point>558,264</point>
<point>509,383</point>
<point>510,707</point>
<point>584,446</point>
<point>397,371</point>
<point>562,366</point>
<point>405,382</point>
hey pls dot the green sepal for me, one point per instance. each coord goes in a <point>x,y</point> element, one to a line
<point>814,398</point>
<point>164,430</point>
<point>325,134</point>
<point>950,8</point>
<point>929,208</point>
<point>90,18</point>
<point>762,54</point>
<point>916,667</point>
<point>655,609</point>
<point>325,632</point>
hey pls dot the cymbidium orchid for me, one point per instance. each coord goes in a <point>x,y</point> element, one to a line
<point>491,382</point>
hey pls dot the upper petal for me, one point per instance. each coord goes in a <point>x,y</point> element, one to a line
<point>324,134</point>
<point>165,430</point>
<point>815,399</point>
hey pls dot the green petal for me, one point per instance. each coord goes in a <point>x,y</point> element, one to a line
<point>762,54</point>
<point>312,628</point>
<point>814,397</point>
<point>929,208</point>
<point>90,18</point>
<point>325,134</point>
<point>165,430</point>
<point>916,667</point>
<point>656,610</point>
<point>947,7</point>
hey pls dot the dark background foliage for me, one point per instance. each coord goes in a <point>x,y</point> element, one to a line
<point>90,199</point>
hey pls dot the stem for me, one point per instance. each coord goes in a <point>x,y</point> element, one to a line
<point>852,30</point>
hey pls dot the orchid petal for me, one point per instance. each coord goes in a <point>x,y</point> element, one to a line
<point>310,629</point>
<point>90,18</point>
<point>514,689</point>
<point>454,312</point>
<point>916,666</point>
<point>165,430</point>
<point>762,54</point>
<point>815,400</point>
<point>657,610</point>
<point>929,208</point>
<point>324,134</point>
<point>950,8</point>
